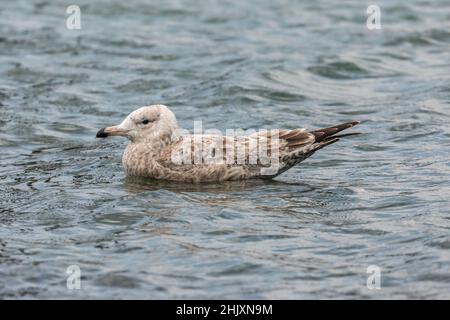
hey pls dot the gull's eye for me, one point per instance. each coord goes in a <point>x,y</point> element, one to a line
<point>145,121</point>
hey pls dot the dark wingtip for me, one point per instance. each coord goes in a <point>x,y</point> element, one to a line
<point>101,133</point>
<point>329,133</point>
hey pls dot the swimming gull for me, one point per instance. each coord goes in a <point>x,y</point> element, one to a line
<point>159,149</point>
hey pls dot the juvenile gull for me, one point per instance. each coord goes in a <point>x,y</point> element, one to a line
<point>159,150</point>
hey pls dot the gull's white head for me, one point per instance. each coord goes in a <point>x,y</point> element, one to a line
<point>145,124</point>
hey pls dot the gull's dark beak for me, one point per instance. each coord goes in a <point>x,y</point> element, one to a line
<point>111,131</point>
<point>101,133</point>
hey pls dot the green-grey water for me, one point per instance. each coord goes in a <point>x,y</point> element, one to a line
<point>381,198</point>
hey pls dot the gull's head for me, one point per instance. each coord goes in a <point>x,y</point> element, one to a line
<point>144,124</point>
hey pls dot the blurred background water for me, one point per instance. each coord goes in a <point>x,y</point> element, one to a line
<point>381,198</point>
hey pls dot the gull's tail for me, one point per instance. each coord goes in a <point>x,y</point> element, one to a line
<point>322,138</point>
